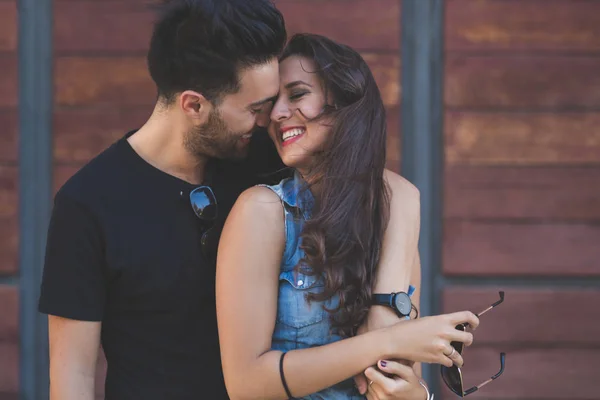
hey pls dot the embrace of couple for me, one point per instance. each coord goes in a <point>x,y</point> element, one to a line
<point>246,242</point>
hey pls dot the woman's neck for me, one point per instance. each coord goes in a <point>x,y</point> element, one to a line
<point>314,184</point>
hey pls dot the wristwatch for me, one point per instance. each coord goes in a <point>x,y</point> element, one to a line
<point>399,302</point>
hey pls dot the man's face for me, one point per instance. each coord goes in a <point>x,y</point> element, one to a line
<point>230,125</point>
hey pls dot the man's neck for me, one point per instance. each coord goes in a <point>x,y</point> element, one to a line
<point>160,143</point>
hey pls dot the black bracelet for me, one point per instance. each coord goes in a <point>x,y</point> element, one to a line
<point>285,386</point>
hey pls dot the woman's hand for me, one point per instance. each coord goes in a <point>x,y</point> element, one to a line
<point>394,381</point>
<point>428,339</point>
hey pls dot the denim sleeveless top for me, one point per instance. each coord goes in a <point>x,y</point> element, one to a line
<point>301,324</point>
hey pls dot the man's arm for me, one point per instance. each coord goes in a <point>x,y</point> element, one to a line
<point>401,239</point>
<point>399,264</point>
<point>73,294</point>
<point>73,355</point>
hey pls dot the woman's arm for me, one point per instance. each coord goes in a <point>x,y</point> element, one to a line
<point>248,265</point>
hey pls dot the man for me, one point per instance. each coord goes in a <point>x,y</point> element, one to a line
<point>130,252</point>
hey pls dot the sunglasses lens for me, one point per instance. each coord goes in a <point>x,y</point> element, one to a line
<point>459,346</point>
<point>204,203</point>
<point>452,378</point>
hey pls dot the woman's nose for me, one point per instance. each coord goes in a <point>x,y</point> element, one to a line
<point>281,111</point>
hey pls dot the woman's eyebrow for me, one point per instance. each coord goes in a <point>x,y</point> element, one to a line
<point>296,83</point>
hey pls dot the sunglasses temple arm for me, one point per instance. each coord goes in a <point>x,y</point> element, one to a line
<point>476,388</point>
<point>493,305</point>
<point>484,311</point>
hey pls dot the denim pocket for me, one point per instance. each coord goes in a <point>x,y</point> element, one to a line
<point>293,309</point>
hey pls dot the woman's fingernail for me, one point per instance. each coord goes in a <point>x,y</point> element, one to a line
<point>383,363</point>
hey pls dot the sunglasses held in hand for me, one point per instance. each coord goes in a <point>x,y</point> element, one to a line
<point>452,376</point>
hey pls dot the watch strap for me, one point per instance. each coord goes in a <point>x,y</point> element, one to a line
<point>383,299</point>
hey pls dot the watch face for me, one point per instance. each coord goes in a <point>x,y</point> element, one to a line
<point>403,303</point>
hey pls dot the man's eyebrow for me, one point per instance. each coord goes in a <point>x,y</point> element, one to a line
<point>259,103</point>
<point>296,83</point>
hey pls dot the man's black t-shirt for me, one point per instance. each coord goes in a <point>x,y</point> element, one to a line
<point>124,249</point>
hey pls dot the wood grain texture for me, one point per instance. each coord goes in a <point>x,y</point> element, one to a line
<point>80,135</point>
<point>103,81</point>
<point>531,374</point>
<point>394,136</point>
<point>386,69</point>
<point>9,339</point>
<point>548,193</point>
<point>361,24</point>
<point>107,26</point>
<point>124,81</point>
<point>9,246</point>
<point>113,26</point>
<point>9,369</point>
<point>527,317</point>
<point>8,220</point>
<point>9,310</point>
<point>8,80</point>
<point>8,135</point>
<point>8,25</point>
<point>537,82</point>
<point>8,191</point>
<point>501,138</point>
<point>505,248</point>
<point>551,25</point>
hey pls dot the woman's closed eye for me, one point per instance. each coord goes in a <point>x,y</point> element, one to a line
<point>297,95</point>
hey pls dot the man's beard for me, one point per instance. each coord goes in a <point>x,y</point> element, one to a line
<point>214,140</point>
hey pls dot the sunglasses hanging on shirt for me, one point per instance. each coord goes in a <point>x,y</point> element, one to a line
<point>204,204</point>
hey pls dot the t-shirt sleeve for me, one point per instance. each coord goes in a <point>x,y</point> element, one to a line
<point>74,281</point>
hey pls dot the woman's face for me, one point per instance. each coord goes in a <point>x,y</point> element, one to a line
<point>301,98</point>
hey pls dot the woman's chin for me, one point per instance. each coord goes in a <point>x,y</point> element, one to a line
<point>291,160</point>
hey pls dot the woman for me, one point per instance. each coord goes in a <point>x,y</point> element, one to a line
<point>300,280</point>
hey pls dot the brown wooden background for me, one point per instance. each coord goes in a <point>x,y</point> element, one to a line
<point>522,148</point>
<point>522,189</point>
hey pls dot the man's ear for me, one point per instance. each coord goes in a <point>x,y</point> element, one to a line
<point>195,106</point>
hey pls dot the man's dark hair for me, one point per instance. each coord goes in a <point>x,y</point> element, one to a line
<point>202,45</point>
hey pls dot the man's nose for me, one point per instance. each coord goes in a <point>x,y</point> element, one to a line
<point>263,120</point>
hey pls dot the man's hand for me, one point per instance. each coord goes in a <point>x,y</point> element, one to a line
<point>393,381</point>
<point>379,317</point>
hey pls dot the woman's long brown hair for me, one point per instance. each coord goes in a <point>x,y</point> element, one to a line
<point>343,239</point>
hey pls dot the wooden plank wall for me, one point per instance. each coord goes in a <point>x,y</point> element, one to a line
<point>522,200</point>
<point>9,333</point>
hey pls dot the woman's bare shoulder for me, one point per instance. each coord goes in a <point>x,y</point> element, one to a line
<point>257,203</point>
